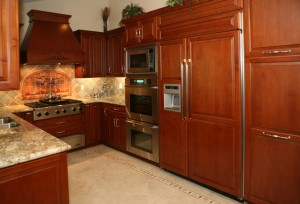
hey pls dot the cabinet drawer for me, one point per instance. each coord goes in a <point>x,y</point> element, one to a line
<point>117,108</point>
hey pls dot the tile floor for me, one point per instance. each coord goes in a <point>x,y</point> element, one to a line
<point>101,175</point>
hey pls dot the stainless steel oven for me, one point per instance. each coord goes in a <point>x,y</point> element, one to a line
<point>142,139</point>
<point>141,94</point>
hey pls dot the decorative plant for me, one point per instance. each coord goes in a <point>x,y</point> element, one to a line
<point>174,2</point>
<point>105,14</point>
<point>131,10</point>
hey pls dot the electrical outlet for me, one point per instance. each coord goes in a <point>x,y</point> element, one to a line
<point>81,87</point>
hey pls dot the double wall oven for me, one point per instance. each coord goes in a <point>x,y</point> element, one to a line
<point>141,94</point>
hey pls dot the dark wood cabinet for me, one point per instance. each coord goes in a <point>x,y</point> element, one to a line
<point>93,44</point>
<point>272,144</point>
<point>114,126</point>
<point>115,52</point>
<point>210,136</point>
<point>141,31</point>
<point>27,115</point>
<point>93,121</point>
<point>63,126</point>
<point>9,45</point>
<point>43,180</point>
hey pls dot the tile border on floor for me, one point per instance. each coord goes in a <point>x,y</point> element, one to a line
<point>145,172</point>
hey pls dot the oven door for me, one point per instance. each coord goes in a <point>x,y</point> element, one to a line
<point>141,103</point>
<point>142,139</point>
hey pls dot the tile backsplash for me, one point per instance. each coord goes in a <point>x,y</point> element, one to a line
<point>80,87</point>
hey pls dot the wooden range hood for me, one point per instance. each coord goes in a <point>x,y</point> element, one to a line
<point>49,39</point>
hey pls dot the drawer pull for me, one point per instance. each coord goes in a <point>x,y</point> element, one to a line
<point>116,109</point>
<point>276,52</point>
<point>276,136</point>
<point>61,132</point>
<point>61,122</point>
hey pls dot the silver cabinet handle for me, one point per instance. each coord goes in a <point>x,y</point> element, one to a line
<point>140,33</point>
<point>105,111</point>
<point>275,52</point>
<point>182,89</point>
<point>117,122</point>
<point>137,32</point>
<point>61,132</point>
<point>109,69</point>
<point>122,68</point>
<point>187,88</point>
<point>276,136</point>
<point>114,122</point>
<point>60,122</point>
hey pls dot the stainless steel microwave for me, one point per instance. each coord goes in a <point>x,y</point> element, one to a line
<point>141,59</point>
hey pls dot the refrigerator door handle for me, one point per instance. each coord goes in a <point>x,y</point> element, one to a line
<point>182,88</point>
<point>187,88</point>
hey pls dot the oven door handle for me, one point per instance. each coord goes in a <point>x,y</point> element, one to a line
<point>142,124</point>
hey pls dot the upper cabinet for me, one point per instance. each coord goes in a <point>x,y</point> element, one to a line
<point>141,31</point>
<point>93,44</point>
<point>9,45</point>
<point>272,28</point>
<point>115,52</point>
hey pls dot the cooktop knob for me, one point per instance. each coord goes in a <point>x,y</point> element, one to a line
<point>39,114</point>
<point>46,113</point>
<point>79,108</point>
<point>64,110</point>
<point>74,109</point>
<point>57,111</point>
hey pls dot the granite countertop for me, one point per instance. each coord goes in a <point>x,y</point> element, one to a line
<point>28,142</point>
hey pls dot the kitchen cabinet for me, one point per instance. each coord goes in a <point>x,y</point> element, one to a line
<point>93,120</point>
<point>93,44</point>
<point>208,68</point>
<point>114,130</point>
<point>62,126</point>
<point>27,115</point>
<point>141,31</point>
<point>42,180</point>
<point>9,45</point>
<point>115,52</point>
<point>272,133</point>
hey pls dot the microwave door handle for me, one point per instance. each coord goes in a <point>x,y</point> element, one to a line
<point>182,89</point>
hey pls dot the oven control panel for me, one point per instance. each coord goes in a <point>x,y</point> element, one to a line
<point>57,111</point>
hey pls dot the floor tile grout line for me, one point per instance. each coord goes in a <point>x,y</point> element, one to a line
<point>161,179</point>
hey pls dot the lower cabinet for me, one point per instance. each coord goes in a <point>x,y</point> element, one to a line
<point>92,124</point>
<point>114,126</point>
<point>43,180</point>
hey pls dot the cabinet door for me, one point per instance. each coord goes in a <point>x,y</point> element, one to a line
<point>272,25</point>
<point>99,55</point>
<point>148,32</point>
<point>272,131</point>
<point>173,143</point>
<point>116,54</point>
<point>171,55</point>
<point>84,70</point>
<point>105,123</point>
<point>93,121</point>
<point>214,111</point>
<point>9,45</point>
<point>131,34</point>
<point>111,129</point>
<point>120,134</point>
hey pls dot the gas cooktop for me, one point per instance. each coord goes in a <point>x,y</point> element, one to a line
<point>46,103</point>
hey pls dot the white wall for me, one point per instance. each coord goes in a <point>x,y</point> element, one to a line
<point>116,7</point>
<point>85,13</point>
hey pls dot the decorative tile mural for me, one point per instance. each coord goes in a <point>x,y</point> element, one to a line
<point>80,88</point>
<point>39,83</point>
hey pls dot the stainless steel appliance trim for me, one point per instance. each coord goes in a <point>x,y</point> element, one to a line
<point>182,89</point>
<point>75,141</point>
<point>187,89</point>
<point>146,128</point>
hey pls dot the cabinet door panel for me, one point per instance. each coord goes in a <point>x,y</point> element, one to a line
<point>215,75</point>
<point>272,169</point>
<point>98,55</point>
<point>173,143</point>
<point>273,23</point>
<point>215,155</point>
<point>131,34</point>
<point>171,54</point>
<point>9,45</point>
<point>148,29</point>
<point>275,95</point>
